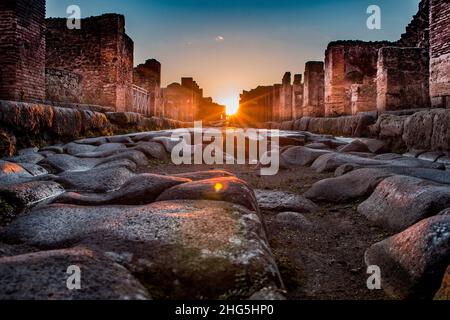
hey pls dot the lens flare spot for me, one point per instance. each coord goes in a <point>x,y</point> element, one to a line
<point>218,187</point>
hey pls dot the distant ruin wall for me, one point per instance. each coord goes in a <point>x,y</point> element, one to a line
<point>418,31</point>
<point>440,53</point>
<point>63,86</point>
<point>348,63</point>
<point>402,79</point>
<point>313,90</point>
<point>22,50</point>
<point>100,52</point>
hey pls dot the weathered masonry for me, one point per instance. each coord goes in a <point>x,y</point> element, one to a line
<point>100,52</point>
<point>440,53</point>
<point>22,50</point>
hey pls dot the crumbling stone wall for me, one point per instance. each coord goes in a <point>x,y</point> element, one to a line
<point>418,31</point>
<point>348,63</point>
<point>148,77</point>
<point>100,52</point>
<point>22,50</point>
<point>363,97</point>
<point>402,79</point>
<point>297,106</point>
<point>286,98</point>
<point>313,91</point>
<point>440,53</point>
<point>63,86</point>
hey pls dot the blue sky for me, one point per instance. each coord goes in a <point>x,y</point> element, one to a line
<point>231,45</point>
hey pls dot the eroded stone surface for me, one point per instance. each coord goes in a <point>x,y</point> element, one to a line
<point>43,276</point>
<point>399,201</point>
<point>413,262</point>
<point>174,248</point>
<point>29,193</point>
<point>230,189</point>
<point>281,201</point>
<point>141,189</point>
<point>299,156</point>
<point>95,180</point>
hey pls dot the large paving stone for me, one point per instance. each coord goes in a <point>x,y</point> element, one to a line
<point>168,142</point>
<point>29,193</point>
<point>11,172</point>
<point>399,201</point>
<point>63,162</point>
<point>353,185</point>
<point>43,276</point>
<point>281,201</point>
<point>141,189</point>
<point>34,169</point>
<point>229,189</point>
<point>354,146</point>
<point>362,182</point>
<point>93,141</point>
<point>109,147</point>
<point>413,262</point>
<point>152,150</point>
<point>73,148</point>
<point>204,175</point>
<point>177,249</point>
<point>96,180</point>
<point>29,157</point>
<point>330,162</point>
<point>299,156</point>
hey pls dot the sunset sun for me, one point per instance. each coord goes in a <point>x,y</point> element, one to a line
<point>232,105</point>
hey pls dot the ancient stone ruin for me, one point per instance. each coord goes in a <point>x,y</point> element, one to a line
<point>89,178</point>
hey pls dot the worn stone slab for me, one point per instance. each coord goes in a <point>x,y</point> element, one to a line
<point>399,202</point>
<point>29,193</point>
<point>299,156</point>
<point>140,189</point>
<point>353,185</point>
<point>11,172</point>
<point>95,180</point>
<point>413,262</point>
<point>43,276</point>
<point>174,248</point>
<point>204,175</point>
<point>330,162</point>
<point>229,189</point>
<point>281,201</point>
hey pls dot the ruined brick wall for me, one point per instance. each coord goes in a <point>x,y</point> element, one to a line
<point>417,32</point>
<point>22,50</point>
<point>363,97</point>
<point>259,105</point>
<point>440,53</point>
<point>313,92</point>
<point>148,76</point>
<point>100,52</point>
<point>297,99</point>
<point>403,79</point>
<point>63,86</point>
<point>348,63</point>
<point>286,98</point>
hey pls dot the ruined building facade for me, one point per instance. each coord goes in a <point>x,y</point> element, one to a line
<point>22,50</point>
<point>147,76</point>
<point>440,53</point>
<point>100,52</point>
<point>185,102</point>
<point>376,77</point>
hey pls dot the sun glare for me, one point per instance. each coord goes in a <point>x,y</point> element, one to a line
<point>232,104</point>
